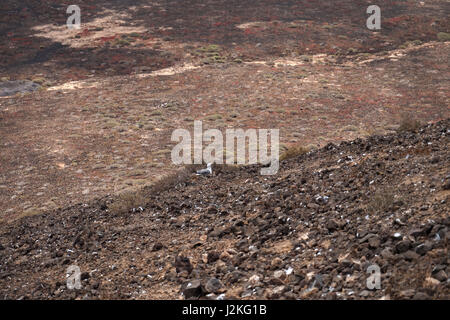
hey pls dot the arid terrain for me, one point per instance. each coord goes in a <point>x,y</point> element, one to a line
<point>309,232</point>
<point>94,126</point>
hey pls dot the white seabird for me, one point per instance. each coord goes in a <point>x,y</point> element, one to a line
<point>206,171</point>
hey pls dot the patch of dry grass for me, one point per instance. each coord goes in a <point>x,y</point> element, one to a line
<point>127,201</point>
<point>293,152</point>
<point>170,181</point>
<point>409,123</point>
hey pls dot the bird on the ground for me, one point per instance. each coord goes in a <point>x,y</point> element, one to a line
<point>206,171</point>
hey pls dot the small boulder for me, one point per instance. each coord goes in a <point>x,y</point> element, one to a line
<point>424,248</point>
<point>157,246</point>
<point>183,263</point>
<point>332,225</point>
<point>213,256</point>
<point>192,289</point>
<point>402,246</point>
<point>441,276</point>
<point>213,285</point>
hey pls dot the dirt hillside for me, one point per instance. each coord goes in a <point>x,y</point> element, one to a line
<point>309,232</point>
<point>100,103</point>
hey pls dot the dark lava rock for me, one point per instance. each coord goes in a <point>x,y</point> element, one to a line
<point>436,229</point>
<point>192,289</point>
<point>402,246</point>
<point>332,225</point>
<point>438,268</point>
<point>4,275</point>
<point>440,275</point>
<point>424,248</point>
<point>183,263</point>
<point>417,232</point>
<point>85,276</point>
<point>218,232</point>
<point>410,255</point>
<point>367,237</point>
<point>234,277</point>
<point>435,159</point>
<point>213,285</point>
<point>157,246</point>
<point>213,256</point>
<point>242,245</point>
<point>421,296</point>
<point>346,263</point>
<point>446,185</point>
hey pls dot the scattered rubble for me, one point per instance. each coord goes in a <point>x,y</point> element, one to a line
<point>268,242</point>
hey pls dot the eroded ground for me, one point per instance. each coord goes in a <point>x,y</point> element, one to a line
<point>114,90</point>
<point>309,232</point>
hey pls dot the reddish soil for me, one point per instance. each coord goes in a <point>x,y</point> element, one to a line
<point>113,91</point>
<point>323,77</point>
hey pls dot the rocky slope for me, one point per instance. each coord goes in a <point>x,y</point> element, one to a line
<point>309,232</point>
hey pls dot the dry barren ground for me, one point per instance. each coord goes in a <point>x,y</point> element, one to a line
<point>113,91</point>
<point>309,232</point>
